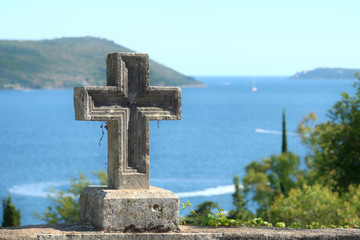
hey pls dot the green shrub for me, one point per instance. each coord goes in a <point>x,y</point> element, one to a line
<point>316,203</point>
<point>65,208</point>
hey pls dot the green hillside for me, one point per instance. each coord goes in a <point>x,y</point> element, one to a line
<point>327,73</point>
<point>69,62</point>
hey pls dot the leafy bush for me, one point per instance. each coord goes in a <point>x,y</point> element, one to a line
<point>309,203</point>
<point>195,216</point>
<point>66,209</point>
<point>208,218</point>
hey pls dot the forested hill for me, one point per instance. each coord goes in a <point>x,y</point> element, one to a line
<point>69,62</point>
<point>327,73</point>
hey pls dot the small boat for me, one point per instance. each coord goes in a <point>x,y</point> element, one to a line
<point>254,89</point>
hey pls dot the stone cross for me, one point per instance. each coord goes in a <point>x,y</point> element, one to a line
<point>127,103</point>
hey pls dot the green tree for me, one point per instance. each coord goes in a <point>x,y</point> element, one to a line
<point>66,203</point>
<point>273,176</point>
<point>240,211</point>
<point>284,141</point>
<point>334,159</point>
<point>11,216</point>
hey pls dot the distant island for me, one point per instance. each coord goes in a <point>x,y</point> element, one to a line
<point>69,62</point>
<point>327,73</point>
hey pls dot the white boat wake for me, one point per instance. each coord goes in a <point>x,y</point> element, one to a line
<point>42,189</point>
<point>220,190</point>
<point>259,130</point>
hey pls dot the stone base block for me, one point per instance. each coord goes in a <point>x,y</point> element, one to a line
<point>130,210</point>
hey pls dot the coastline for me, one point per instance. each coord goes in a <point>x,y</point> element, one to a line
<point>54,88</point>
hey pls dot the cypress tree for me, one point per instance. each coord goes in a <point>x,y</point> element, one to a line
<point>284,141</point>
<point>11,216</point>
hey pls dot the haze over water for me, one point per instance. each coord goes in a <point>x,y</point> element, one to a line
<point>224,126</point>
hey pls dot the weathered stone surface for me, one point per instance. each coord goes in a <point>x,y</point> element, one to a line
<point>84,231</point>
<point>127,103</point>
<point>130,210</point>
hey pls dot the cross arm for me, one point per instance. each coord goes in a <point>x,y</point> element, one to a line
<point>109,103</point>
<point>88,102</point>
<point>165,103</point>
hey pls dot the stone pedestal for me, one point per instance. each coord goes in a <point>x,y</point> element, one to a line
<point>130,210</point>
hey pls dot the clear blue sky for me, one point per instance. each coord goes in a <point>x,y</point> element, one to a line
<point>253,37</point>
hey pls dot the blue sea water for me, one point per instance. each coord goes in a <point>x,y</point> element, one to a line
<point>224,126</point>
